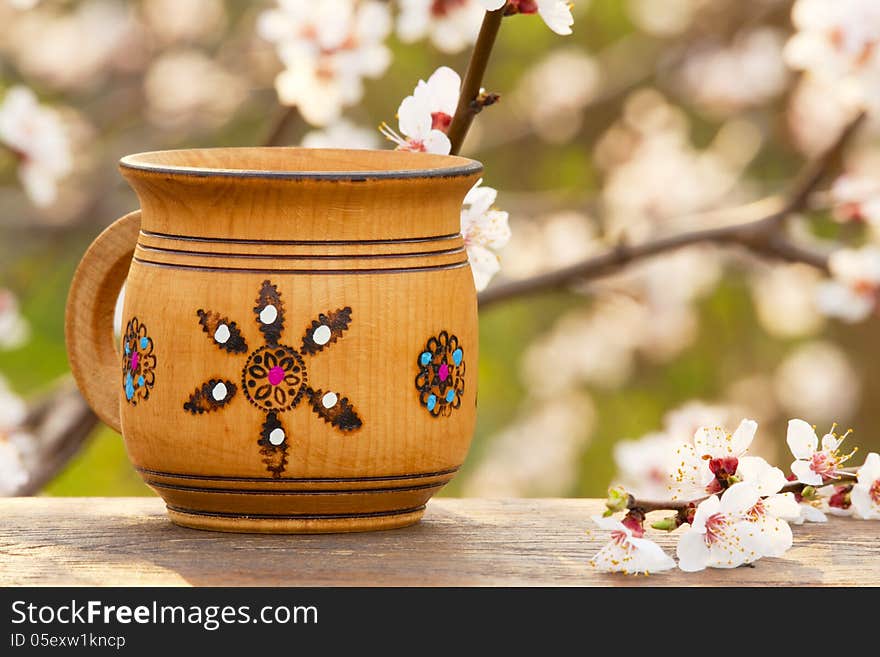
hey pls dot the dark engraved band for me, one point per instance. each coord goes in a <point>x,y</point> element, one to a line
<point>303,272</point>
<point>297,516</point>
<point>301,480</point>
<point>257,491</point>
<point>261,256</point>
<point>233,240</point>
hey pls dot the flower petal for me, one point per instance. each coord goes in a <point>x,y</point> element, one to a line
<point>755,469</point>
<point>611,558</point>
<point>870,471</point>
<point>705,510</point>
<point>692,551</point>
<point>484,265</point>
<point>802,439</point>
<point>437,142</point>
<point>742,438</point>
<point>805,474</point>
<point>769,537</point>
<point>783,505</point>
<point>610,524</point>
<point>862,505</point>
<point>441,91</point>
<point>739,499</point>
<point>809,513</point>
<point>843,302</point>
<point>830,442</point>
<point>713,441</point>
<point>648,557</point>
<point>557,15</point>
<point>414,118</point>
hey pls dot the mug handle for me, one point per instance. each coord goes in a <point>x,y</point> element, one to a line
<point>88,322</point>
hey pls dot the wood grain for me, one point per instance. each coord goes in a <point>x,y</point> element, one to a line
<point>460,542</point>
<point>364,245</point>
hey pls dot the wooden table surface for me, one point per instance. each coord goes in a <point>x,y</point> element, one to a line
<point>460,542</point>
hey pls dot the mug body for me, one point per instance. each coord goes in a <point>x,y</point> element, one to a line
<point>299,341</point>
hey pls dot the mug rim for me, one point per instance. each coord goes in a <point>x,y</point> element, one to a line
<point>458,166</point>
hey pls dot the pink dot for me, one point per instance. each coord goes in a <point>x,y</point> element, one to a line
<point>276,375</point>
<point>443,371</point>
<point>135,359</point>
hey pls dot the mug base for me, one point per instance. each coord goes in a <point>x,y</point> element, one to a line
<point>306,524</point>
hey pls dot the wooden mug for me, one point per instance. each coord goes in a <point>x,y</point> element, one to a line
<point>299,343</point>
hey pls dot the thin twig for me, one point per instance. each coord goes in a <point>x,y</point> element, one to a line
<point>473,80</point>
<point>764,236</point>
<point>845,476</point>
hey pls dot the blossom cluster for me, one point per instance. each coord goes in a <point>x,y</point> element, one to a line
<point>327,49</point>
<point>36,137</point>
<point>736,507</point>
<point>14,442</point>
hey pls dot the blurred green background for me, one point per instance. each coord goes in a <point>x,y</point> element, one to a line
<point>536,175</point>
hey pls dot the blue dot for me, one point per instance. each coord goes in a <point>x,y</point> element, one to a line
<point>144,343</point>
<point>432,402</point>
<point>450,395</point>
<point>457,355</point>
<point>140,382</point>
<point>128,378</point>
<point>127,348</point>
<point>425,358</point>
<point>129,390</point>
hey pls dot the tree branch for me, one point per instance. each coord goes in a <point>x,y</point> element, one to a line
<point>764,236</point>
<point>846,476</point>
<point>468,106</point>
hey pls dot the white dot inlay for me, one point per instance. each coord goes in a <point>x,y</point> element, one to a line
<point>322,334</point>
<point>222,334</point>
<point>219,392</point>
<point>329,400</point>
<point>276,436</point>
<point>269,314</point>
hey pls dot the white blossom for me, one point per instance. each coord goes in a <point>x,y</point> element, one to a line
<point>785,300</point>
<point>865,494</point>
<point>856,197</point>
<point>721,535</point>
<point>773,510</point>
<point>75,46</point>
<point>729,78</point>
<point>817,379</point>
<point>642,465</point>
<point>554,92</point>
<point>838,41</point>
<point>715,452</point>
<point>37,137</point>
<point>627,553</point>
<point>327,48</point>
<point>813,465</point>
<point>341,134</point>
<point>451,25</point>
<point>485,230</point>
<point>809,512</point>
<point>13,473</point>
<point>185,87</point>
<point>854,290</point>
<point>14,329</point>
<point>425,116</point>
<point>556,13</point>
